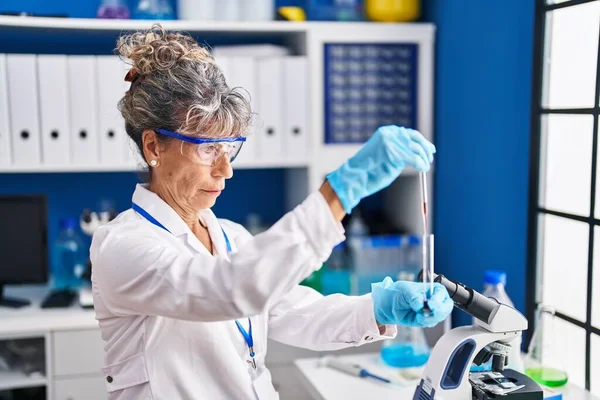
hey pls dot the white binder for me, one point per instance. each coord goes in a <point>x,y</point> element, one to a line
<point>83,105</point>
<point>111,88</point>
<point>228,10</point>
<point>24,110</point>
<point>296,135</point>
<point>270,109</point>
<point>243,74</point>
<point>5,147</point>
<point>133,157</point>
<point>224,65</point>
<point>257,10</point>
<point>54,108</point>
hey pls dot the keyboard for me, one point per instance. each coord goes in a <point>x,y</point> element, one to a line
<point>59,299</point>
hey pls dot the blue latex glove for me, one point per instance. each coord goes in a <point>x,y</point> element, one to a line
<point>379,162</point>
<point>401,303</point>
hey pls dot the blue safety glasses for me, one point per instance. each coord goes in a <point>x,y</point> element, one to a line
<point>206,151</point>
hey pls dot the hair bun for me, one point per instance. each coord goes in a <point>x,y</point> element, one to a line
<point>155,49</point>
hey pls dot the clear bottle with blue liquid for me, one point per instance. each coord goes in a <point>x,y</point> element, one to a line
<point>68,257</point>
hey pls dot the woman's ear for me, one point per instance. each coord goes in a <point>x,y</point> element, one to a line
<point>151,146</point>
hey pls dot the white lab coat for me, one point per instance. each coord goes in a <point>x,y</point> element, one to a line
<point>166,306</point>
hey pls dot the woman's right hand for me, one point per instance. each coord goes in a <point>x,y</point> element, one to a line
<point>379,162</point>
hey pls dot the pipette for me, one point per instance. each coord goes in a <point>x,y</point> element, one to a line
<point>427,244</point>
<point>351,369</point>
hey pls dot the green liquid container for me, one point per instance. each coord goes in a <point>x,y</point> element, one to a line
<point>547,376</point>
<point>543,350</point>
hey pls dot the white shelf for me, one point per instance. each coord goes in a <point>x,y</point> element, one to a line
<point>24,169</point>
<point>129,24</point>
<point>116,25</point>
<point>18,380</point>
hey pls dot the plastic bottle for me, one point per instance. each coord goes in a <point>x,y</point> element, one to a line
<point>494,286</point>
<point>335,274</point>
<point>154,9</point>
<point>359,260</point>
<point>357,226</point>
<point>113,9</point>
<point>335,10</point>
<point>69,257</point>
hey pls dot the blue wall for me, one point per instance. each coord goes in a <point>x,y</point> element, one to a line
<point>484,52</point>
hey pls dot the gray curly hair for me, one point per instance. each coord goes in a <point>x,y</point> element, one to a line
<point>178,87</point>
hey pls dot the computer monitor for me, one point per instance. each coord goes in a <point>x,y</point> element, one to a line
<point>23,243</point>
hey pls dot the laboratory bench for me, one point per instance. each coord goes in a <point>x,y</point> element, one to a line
<point>74,356</point>
<point>324,383</point>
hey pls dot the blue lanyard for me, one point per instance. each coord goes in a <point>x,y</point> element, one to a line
<point>149,217</point>
<point>247,335</point>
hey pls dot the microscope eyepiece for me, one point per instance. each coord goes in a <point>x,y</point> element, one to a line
<point>470,301</point>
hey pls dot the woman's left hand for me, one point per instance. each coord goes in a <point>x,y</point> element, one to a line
<point>402,303</point>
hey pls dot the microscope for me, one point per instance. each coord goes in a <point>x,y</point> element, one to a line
<point>447,374</point>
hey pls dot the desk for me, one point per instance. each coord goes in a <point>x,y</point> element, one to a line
<point>324,383</point>
<point>32,319</point>
<point>73,348</point>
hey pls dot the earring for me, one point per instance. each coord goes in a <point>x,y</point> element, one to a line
<point>154,163</point>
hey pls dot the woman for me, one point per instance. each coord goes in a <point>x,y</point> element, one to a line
<point>186,301</point>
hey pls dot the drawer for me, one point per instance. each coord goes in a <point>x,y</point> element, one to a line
<point>91,388</point>
<point>77,352</point>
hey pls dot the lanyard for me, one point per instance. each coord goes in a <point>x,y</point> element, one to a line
<point>147,215</point>
<point>249,341</point>
<point>247,335</point>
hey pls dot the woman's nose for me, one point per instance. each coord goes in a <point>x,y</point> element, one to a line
<point>222,168</point>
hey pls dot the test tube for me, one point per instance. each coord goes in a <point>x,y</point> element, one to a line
<point>427,246</point>
<point>428,274</point>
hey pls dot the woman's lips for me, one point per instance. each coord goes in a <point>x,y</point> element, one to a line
<point>213,192</point>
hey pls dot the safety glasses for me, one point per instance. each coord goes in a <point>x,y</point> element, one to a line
<point>206,151</point>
